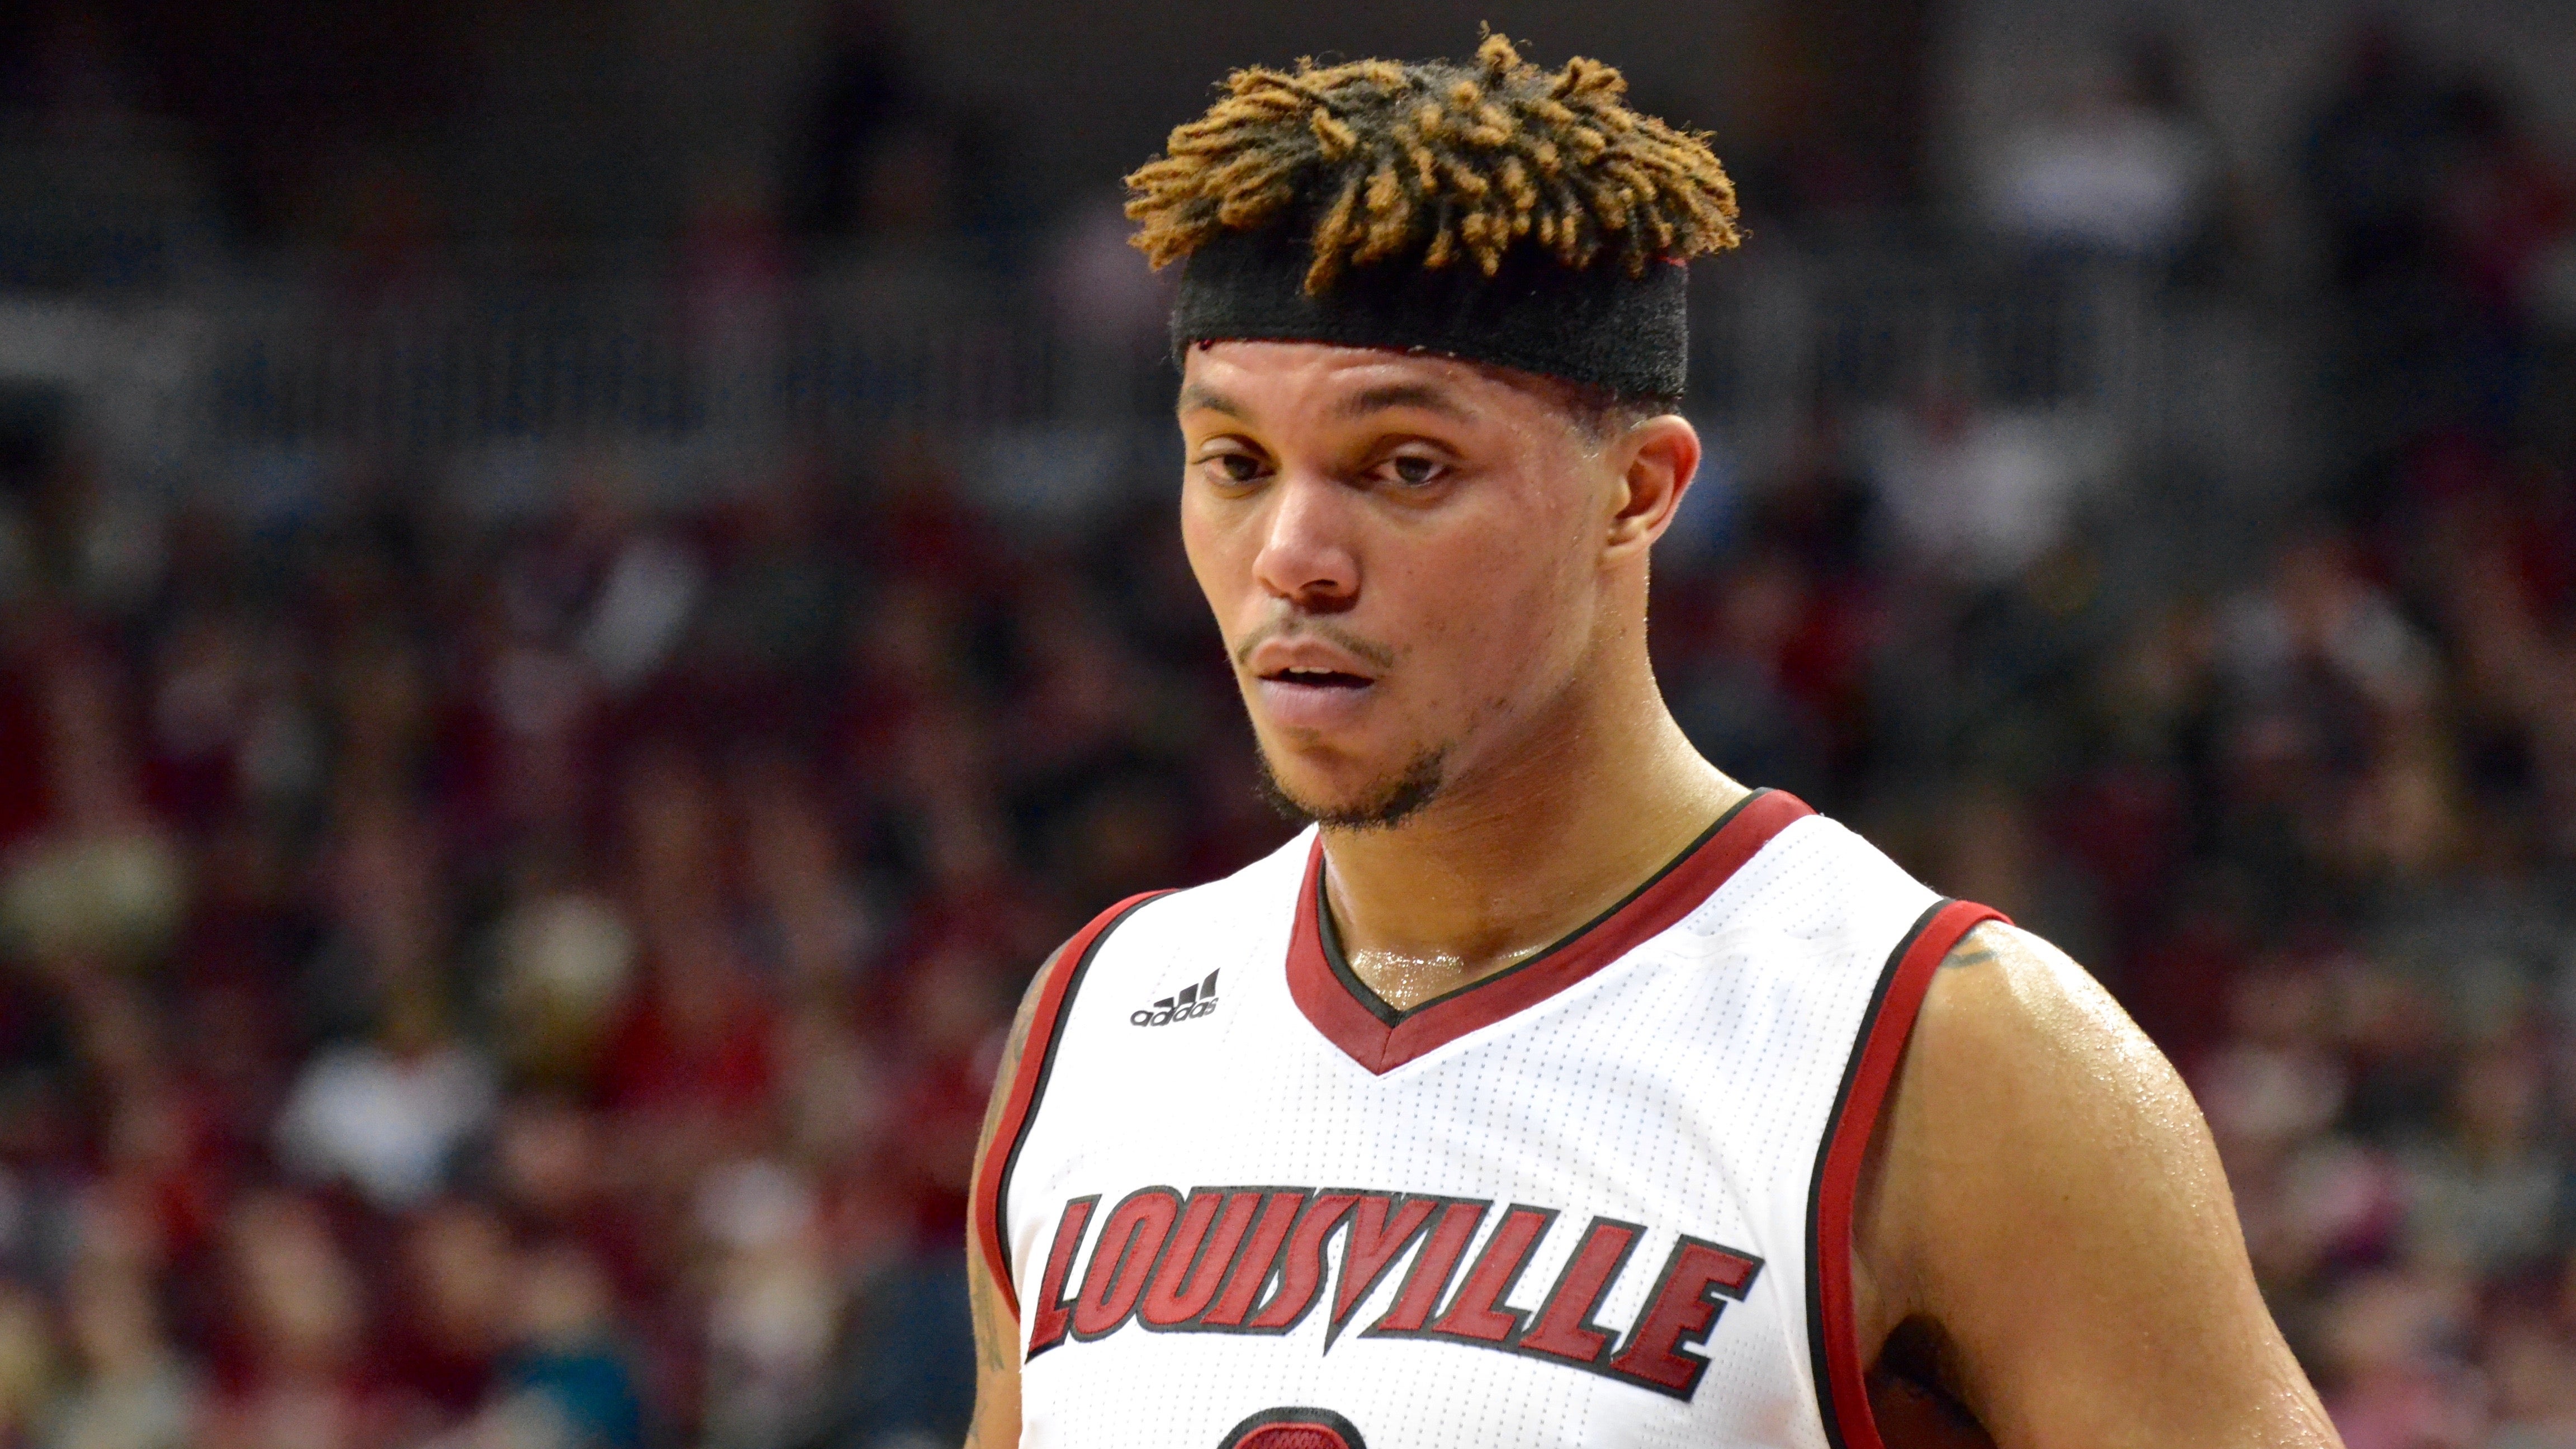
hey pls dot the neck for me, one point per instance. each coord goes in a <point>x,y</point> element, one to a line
<point>1511,858</point>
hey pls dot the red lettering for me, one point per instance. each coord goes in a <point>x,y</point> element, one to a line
<point>1301,1275</point>
<point>1679,1315</point>
<point>1477,1312</point>
<point>1565,1327</point>
<point>1252,1266</point>
<point>1380,1232</point>
<point>1123,1260</point>
<point>1429,1276</point>
<point>1194,1263</point>
<point>1253,1260</point>
<point>1051,1313</point>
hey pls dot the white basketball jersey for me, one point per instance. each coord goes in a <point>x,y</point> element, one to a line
<point>1602,1198</point>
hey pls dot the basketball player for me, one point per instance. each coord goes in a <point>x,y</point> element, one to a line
<point>1555,1089</point>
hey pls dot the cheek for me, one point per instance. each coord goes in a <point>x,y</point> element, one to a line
<point>1501,611</point>
<point>1544,611</point>
<point>1211,554</point>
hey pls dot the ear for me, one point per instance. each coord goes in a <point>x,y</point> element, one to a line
<point>1657,460</point>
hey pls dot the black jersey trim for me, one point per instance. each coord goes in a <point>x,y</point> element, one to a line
<point>1378,1006</point>
<point>1877,1055</point>
<point>1053,1026</point>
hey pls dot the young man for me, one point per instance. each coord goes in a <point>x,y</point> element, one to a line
<point>1556,1089</point>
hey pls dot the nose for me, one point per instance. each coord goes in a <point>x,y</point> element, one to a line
<point>1307,558</point>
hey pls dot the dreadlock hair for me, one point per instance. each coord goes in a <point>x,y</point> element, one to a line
<point>1439,161</point>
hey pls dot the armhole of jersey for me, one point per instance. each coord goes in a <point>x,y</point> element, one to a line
<point>1028,1084</point>
<point>1842,1394</point>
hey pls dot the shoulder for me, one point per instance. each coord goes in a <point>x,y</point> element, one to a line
<point>2025,1096</point>
<point>2044,1192</point>
<point>2005,988</point>
<point>2012,1025</point>
<point>2034,1135</point>
<point>2019,1054</point>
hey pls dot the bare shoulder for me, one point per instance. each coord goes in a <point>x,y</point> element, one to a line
<point>2027,1103</point>
<point>2011,1023</point>
<point>2044,1203</point>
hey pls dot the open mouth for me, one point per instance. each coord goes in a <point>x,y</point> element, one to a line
<point>1318,678</point>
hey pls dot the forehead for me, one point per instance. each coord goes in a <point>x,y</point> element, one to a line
<point>1281,382</point>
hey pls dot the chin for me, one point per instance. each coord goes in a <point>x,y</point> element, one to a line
<point>1380,800</point>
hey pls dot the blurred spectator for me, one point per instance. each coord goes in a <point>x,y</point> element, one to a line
<point>563,963</point>
<point>2533,1379</point>
<point>1975,493</point>
<point>388,1115</point>
<point>2375,162</point>
<point>298,1370</point>
<point>775,1310</point>
<point>859,94</point>
<point>98,884</point>
<point>451,1296</point>
<point>2122,168</point>
<point>2394,1379</point>
<point>26,1365</point>
<point>568,1352</point>
<point>2509,207</point>
<point>732,298</point>
<point>136,1392</point>
<point>2487,1195</point>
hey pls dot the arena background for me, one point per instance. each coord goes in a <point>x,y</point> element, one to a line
<point>585,587</point>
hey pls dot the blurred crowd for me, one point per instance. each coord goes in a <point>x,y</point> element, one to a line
<point>539,984</point>
<point>479,981</point>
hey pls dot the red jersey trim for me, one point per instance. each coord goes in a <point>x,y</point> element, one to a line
<point>1381,1038</point>
<point>1842,1391</point>
<point>1028,1083</point>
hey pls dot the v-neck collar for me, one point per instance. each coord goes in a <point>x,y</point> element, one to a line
<point>1382,1038</point>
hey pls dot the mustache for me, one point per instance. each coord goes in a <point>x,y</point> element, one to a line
<point>1365,650</point>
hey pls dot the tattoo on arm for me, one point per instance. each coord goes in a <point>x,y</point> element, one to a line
<point>993,1340</point>
<point>1972,950</point>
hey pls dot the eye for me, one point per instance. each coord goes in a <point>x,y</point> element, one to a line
<point>1413,470</point>
<point>1235,468</point>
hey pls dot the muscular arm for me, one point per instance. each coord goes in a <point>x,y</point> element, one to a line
<point>996,1424</point>
<point>2044,1230</point>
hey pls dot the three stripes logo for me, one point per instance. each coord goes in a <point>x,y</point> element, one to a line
<point>1189,1004</point>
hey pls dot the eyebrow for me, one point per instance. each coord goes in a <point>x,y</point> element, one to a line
<point>1195,398</point>
<point>1423,396</point>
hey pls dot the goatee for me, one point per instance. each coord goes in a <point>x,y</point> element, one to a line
<point>1391,803</point>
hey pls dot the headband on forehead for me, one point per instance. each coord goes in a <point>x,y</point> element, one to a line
<point>1596,326</point>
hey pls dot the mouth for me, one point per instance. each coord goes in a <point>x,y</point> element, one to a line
<point>1302,676</point>
<point>1313,699</point>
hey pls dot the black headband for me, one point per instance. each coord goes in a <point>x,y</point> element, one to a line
<point>1597,326</point>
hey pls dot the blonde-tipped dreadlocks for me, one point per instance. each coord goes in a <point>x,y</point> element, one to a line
<point>1441,161</point>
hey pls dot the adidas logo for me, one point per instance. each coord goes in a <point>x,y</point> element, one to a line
<point>1192,1003</point>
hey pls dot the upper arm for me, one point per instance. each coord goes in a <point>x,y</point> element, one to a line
<point>2044,1198</point>
<point>997,1327</point>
